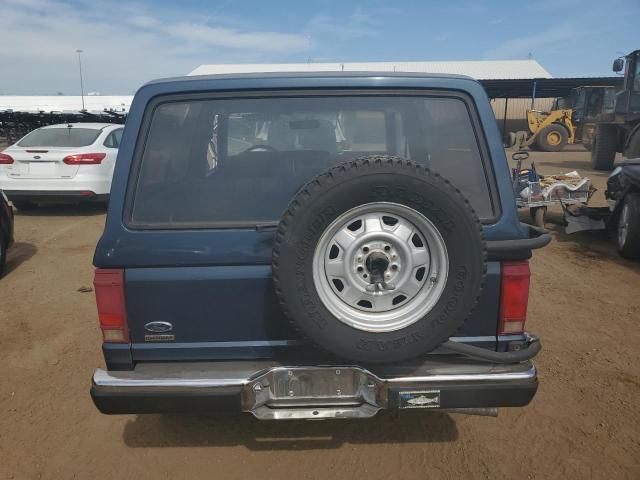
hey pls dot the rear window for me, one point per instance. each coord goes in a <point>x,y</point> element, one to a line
<point>60,137</point>
<point>239,161</point>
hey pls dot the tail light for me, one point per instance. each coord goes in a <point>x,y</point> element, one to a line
<point>514,297</point>
<point>109,288</point>
<point>5,159</point>
<point>84,159</point>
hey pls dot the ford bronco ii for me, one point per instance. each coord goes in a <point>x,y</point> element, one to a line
<point>322,245</point>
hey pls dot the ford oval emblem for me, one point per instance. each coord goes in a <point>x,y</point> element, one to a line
<point>158,327</point>
<point>37,157</point>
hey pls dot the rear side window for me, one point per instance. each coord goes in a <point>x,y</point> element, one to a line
<point>113,139</point>
<point>70,137</point>
<point>239,161</point>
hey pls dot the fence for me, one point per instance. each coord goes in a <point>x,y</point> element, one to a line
<point>516,112</point>
<point>15,125</point>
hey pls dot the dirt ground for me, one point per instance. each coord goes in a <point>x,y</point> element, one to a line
<point>583,423</point>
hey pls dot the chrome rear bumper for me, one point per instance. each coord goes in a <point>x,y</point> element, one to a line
<point>273,391</point>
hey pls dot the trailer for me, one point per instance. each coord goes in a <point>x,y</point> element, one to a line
<point>538,192</point>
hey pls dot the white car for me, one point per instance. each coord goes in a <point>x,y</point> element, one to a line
<point>68,162</point>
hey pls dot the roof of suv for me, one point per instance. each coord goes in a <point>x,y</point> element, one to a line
<point>305,80</point>
<point>336,74</point>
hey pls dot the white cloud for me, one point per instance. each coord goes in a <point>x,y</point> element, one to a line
<point>143,21</point>
<point>352,27</point>
<point>231,38</point>
<point>520,47</point>
<point>124,47</point>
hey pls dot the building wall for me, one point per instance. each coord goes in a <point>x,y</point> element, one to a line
<point>481,69</point>
<point>517,111</point>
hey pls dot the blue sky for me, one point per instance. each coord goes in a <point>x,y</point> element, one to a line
<point>128,43</point>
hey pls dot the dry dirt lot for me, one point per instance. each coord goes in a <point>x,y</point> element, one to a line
<point>584,422</point>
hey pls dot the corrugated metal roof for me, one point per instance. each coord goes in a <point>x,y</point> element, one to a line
<point>546,87</point>
<point>480,70</point>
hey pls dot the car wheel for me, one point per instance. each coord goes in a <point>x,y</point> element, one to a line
<point>379,260</point>
<point>628,232</point>
<point>552,138</point>
<point>603,151</point>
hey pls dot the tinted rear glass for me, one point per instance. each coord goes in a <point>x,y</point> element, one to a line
<point>60,137</point>
<point>230,161</point>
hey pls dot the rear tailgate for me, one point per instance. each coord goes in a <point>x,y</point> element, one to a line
<point>167,314</point>
<point>231,311</point>
<point>41,163</point>
<point>227,308</point>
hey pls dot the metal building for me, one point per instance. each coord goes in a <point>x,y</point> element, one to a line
<point>480,69</point>
<point>510,84</point>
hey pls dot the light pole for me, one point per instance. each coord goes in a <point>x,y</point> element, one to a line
<point>81,83</point>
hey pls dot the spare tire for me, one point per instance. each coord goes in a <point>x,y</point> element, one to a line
<point>379,260</point>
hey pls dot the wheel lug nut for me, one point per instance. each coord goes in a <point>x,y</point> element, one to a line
<point>365,249</point>
<point>394,267</point>
<point>387,248</point>
<point>360,269</point>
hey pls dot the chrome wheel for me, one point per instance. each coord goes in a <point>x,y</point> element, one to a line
<point>623,226</point>
<point>380,267</point>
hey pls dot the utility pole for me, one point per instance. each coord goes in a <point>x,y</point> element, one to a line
<point>81,82</point>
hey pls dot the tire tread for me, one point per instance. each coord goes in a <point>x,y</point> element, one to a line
<point>350,168</point>
<point>603,151</point>
<point>631,249</point>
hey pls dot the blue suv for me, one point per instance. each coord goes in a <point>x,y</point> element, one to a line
<point>322,245</point>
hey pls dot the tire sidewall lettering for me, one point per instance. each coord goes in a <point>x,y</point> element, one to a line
<point>415,200</point>
<point>303,267</point>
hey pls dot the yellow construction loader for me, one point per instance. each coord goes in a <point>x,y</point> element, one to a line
<point>571,120</point>
<point>548,131</point>
<point>551,131</point>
